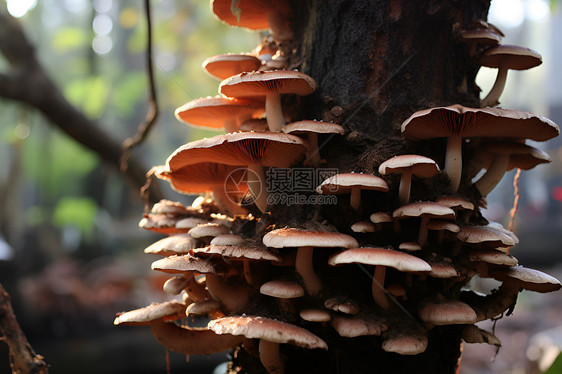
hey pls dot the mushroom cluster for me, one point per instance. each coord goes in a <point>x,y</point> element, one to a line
<point>397,277</point>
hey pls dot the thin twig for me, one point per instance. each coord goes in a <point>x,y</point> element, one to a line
<point>150,119</point>
<point>23,359</point>
<point>515,201</point>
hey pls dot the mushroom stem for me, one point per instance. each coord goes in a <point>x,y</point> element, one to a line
<point>305,268</point>
<point>453,161</point>
<point>273,112</point>
<point>195,291</point>
<point>248,271</point>
<point>233,297</point>
<point>269,357</point>
<point>191,341</point>
<point>256,184</point>
<point>404,189</point>
<point>493,175</point>
<point>226,203</point>
<point>377,287</point>
<point>493,96</point>
<point>313,152</point>
<point>422,236</point>
<point>355,198</point>
<point>231,125</point>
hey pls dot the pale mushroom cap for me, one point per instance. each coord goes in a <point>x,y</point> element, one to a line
<point>481,36</point>
<point>363,227</point>
<point>315,315</point>
<point>227,239</point>
<point>312,126</point>
<point>246,148</point>
<point>154,311</point>
<point>208,229</point>
<point>477,122</point>
<point>473,334</point>
<point>380,256</point>
<point>424,208</point>
<point>227,65</point>
<point>170,207</point>
<point>455,202</point>
<point>161,223</point>
<point>351,327</point>
<point>492,256</point>
<point>529,279</point>
<point>268,329</point>
<point>485,235</point>
<point>409,246</point>
<point>184,263</point>
<point>292,237</point>
<point>175,244</point>
<point>203,307</point>
<point>452,312</point>
<point>342,305</point>
<point>439,225</point>
<point>343,183</point>
<point>261,83</point>
<point>282,289</point>
<point>418,165</point>
<point>521,155</point>
<point>211,112</point>
<point>189,223</point>
<point>244,251</point>
<point>442,270</point>
<point>511,57</point>
<point>380,217</point>
<point>405,344</point>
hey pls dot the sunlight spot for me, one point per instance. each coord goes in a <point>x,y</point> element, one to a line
<point>18,8</point>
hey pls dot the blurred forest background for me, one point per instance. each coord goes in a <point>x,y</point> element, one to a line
<point>71,253</point>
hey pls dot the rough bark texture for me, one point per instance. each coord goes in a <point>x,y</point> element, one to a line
<point>376,62</point>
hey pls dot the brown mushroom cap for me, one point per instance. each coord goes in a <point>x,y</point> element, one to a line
<point>251,14</point>
<point>429,209</point>
<point>315,315</point>
<point>380,256</point>
<point>343,183</point>
<point>492,256</point>
<point>227,65</point>
<point>293,237</point>
<point>481,36</point>
<point>219,112</point>
<point>351,327</point>
<point>528,279</point>
<point>510,56</point>
<point>451,312</point>
<point>261,83</point>
<point>313,126</point>
<point>186,263</point>
<point>363,227</point>
<point>144,316</point>
<point>282,289</point>
<point>253,327</point>
<point>406,343</point>
<point>267,149</point>
<point>172,245</point>
<point>208,229</point>
<point>485,235</point>
<point>417,165</point>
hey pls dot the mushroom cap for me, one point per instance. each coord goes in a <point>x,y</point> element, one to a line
<point>417,165</point>
<point>477,122</point>
<point>282,289</point>
<point>492,256</point>
<point>227,65</point>
<point>271,330</point>
<point>261,83</point>
<point>144,316</point>
<point>439,224</point>
<point>409,246</point>
<point>212,112</point>
<point>455,202</point>
<point>380,217</point>
<point>187,262</point>
<point>315,315</point>
<point>442,269</point>
<point>380,256</point>
<point>165,206</point>
<point>485,235</point>
<point>251,14</point>
<point>529,279</point>
<point>473,334</point>
<point>481,36</point>
<point>243,251</point>
<point>363,227</point>
<point>342,305</point>
<point>452,312</point>
<point>313,126</point>
<point>424,208</point>
<point>292,237</point>
<point>203,307</point>
<point>351,327</point>
<point>163,223</point>
<point>246,148</point>
<point>406,344</point>
<point>345,182</point>
<point>511,57</point>
<point>208,229</point>
<point>185,224</point>
<point>522,156</point>
<point>227,239</point>
<point>204,176</point>
<point>175,244</point>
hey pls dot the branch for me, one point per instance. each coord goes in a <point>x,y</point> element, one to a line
<point>23,358</point>
<point>152,114</point>
<point>28,83</point>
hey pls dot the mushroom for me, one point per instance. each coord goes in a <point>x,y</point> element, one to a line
<point>271,333</point>
<point>227,65</point>
<point>186,340</point>
<point>505,57</point>
<point>408,165</point>
<point>315,315</point>
<point>218,112</point>
<point>506,156</point>
<point>473,334</point>
<point>458,204</point>
<point>475,37</point>
<point>311,129</point>
<point>426,210</point>
<point>456,122</point>
<point>253,150</point>
<point>379,218</point>
<point>284,290</point>
<point>306,241</point>
<point>270,84</point>
<point>359,325</point>
<point>527,279</point>
<point>352,183</point>
<point>172,245</point>
<point>450,312</point>
<point>381,258</point>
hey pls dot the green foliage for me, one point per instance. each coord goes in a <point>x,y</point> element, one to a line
<point>69,38</point>
<point>129,91</point>
<point>88,93</point>
<point>76,211</point>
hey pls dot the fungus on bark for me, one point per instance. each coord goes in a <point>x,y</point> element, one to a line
<point>352,184</point>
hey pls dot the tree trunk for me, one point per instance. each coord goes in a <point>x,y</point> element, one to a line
<point>375,63</point>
